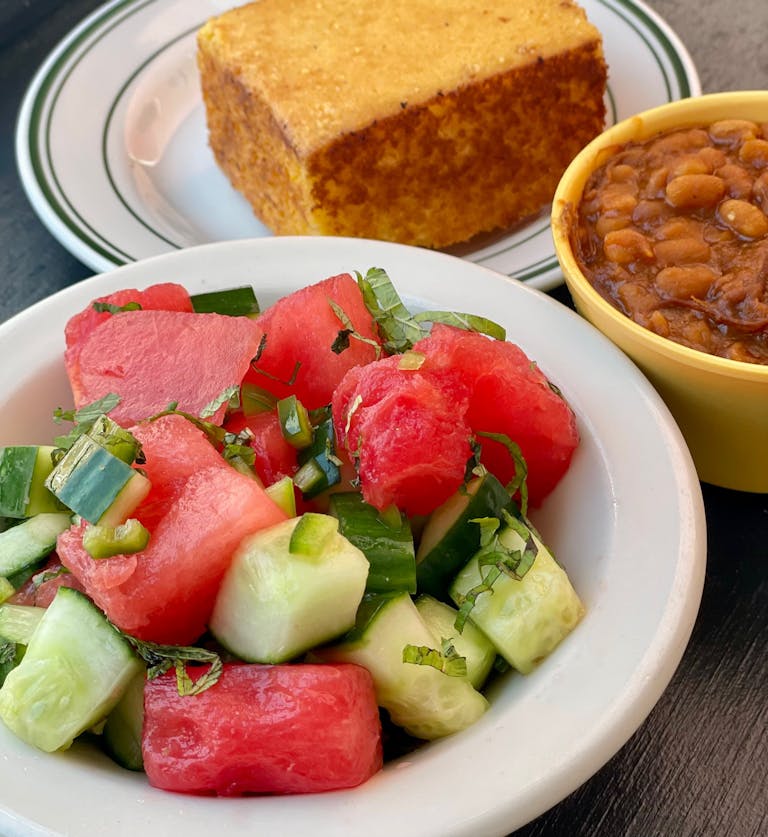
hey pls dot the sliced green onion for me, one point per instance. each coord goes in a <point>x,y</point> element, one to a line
<point>294,422</point>
<point>319,466</point>
<point>125,539</point>
<point>312,533</point>
<point>254,399</point>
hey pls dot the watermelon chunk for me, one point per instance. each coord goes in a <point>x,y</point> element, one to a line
<point>152,358</point>
<point>508,394</point>
<point>197,512</point>
<point>263,729</point>
<point>300,329</point>
<point>166,296</point>
<point>406,433</point>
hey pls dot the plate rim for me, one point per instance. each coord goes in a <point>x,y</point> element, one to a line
<point>101,253</point>
<point>662,654</point>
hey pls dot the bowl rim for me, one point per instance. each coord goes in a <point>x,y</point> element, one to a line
<point>694,110</point>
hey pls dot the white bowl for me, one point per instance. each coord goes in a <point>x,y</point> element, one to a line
<point>627,522</point>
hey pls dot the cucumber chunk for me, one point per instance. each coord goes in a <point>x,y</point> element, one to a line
<point>23,471</point>
<point>18,622</point>
<point>274,604</point>
<point>384,537</point>
<point>121,735</point>
<point>425,702</point>
<point>115,439</point>
<point>450,538</point>
<point>471,643</point>
<point>526,618</point>
<point>233,302</point>
<point>75,670</point>
<point>96,484</point>
<point>294,422</point>
<point>319,467</point>
<point>31,541</point>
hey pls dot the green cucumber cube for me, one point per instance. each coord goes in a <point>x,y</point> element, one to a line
<point>75,670</point>
<point>526,618</point>
<point>275,604</point>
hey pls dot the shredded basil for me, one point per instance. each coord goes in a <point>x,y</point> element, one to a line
<point>83,419</point>
<point>468,322</point>
<point>399,328</point>
<point>230,396</point>
<point>161,658</point>
<point>341,343</point>
<point>395,321</point>
<point>519,481</point>
<point>447,660</point>
<point>494,558</point>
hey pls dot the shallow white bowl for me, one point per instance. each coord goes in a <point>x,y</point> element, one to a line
<point>627,522</point>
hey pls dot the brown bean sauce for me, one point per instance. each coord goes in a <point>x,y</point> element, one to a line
<point>674,233</point>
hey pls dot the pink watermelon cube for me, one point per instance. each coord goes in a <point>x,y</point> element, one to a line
<point>154,358</point>
<point>300,330</point>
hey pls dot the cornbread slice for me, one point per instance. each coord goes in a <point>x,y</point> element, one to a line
<point>419,121</point>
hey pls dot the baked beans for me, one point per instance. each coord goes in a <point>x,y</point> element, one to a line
<point>673,231</point>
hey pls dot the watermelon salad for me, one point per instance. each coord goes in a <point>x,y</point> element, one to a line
<point>268,544</point>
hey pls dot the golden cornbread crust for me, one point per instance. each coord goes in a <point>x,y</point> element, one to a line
<point>431,156</point>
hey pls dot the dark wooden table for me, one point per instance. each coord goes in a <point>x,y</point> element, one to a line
<point>698,766</point>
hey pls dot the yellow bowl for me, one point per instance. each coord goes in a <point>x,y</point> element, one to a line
<point>720,405</point>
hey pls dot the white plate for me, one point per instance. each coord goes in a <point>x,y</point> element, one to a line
<point>627,521</point>
<point>112,145</point>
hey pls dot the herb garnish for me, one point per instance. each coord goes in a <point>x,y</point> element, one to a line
<point>497,558</point>
<point>519,481</point>
<point>83,418</point>
<point>447,660</point>
<point>399,328</point>
<point>341,343</point>
<point>161,658</point>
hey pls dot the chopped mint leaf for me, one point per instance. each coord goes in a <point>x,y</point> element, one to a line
<point>160,658</point>
<point>519,482</point>
<point>84,418</point>
<point>446,660</point>
<point>230,396</point>
<point>395,321</point>
<point>468,322</point>
<point>341,343</point>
